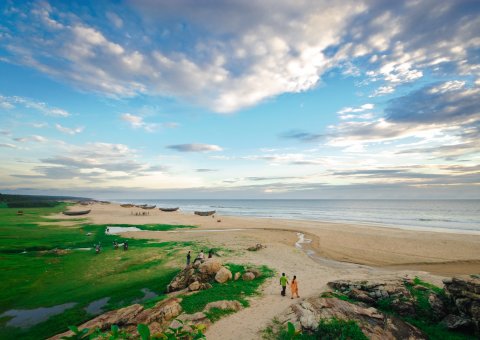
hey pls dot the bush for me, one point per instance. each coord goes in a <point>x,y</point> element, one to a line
<point>332,329</point>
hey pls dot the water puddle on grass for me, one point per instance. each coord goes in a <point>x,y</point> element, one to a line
<point>147,295</point>
<point>119,230</point>
<point>96,307</point>
<point>25,318</point>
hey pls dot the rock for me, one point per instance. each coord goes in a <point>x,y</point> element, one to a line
<point>129,317</point>
<point>223,275</point>
<point>420,287</point>
<point>256,247</point>
<point>187,276</point>
<point>190,319</point>
<point>438,308</point>
<point>255,272</point>
<point>248,276</point>
<point>237,276</point>
<point>464,293</point>
<point>374,324</point>
<point>194,286</point>
<point>210,266</point>
<point>453,321</point>
<point>224,304</point>
<point>360,295</point>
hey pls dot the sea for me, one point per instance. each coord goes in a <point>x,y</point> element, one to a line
<point>461,216</point>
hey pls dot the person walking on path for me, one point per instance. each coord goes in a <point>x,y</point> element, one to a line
<point>294,287</point>
<point>189,256</point>
<point>283,283</point>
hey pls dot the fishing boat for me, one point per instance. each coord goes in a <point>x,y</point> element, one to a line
<point>148,207</point>
<point>127,205</point>
<point>168,209</point>
<point>205,213</point>
<point>140,205</point>
<point>76,213</point>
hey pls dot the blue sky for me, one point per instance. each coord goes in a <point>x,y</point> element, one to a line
<point>238,99</point>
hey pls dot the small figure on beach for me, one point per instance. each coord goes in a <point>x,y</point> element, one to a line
<point>98,248</point>
<point>189,256</point>
<point>125,245</point>
<point>283,283</point>
<point>115,244</point>
<point>294,286</point>
<point>108,230</point>
<point>210,253</point>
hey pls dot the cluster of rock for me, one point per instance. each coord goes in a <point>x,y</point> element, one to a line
<point>307,314</point>
<point>158,317</point>
<point>464,295</point>
<point>256,247</point>
<point>200,275</point>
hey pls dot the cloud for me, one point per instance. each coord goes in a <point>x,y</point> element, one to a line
<point>382,90</point>
<point>137,122</point>
<point>7,145</point>
<point>302,136</point>
<point>361,108</point>
<point>206,170</point>
<point>32,138</point>
<point>195,147</point>
<point>10,102</point>
<point>69,131</point>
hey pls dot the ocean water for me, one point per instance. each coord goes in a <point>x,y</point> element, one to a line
<point>441,215</point>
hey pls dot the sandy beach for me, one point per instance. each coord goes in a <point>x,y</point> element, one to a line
<point>331,251</point>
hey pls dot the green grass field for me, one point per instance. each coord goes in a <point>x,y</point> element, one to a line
<point>33,275</point>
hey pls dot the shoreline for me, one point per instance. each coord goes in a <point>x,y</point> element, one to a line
<point>360,244</point>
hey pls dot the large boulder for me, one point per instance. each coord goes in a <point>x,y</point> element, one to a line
<point>224,304</point>
<point>194,286</point>
<point>307,314</point>
<point>255,272</point>
<point>210,266</point>
<point>464,294</point>
<point>237,276</point>
<point>129,317</point>
<point>187,320</point>
<point>248,276</point>
<point>223,275</point>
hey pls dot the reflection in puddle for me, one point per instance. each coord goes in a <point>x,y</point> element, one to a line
<point>24,318</point>
<point>96,307</point>
<point>147,295</point>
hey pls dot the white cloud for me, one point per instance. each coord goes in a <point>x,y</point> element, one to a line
<point>137,122</point>
<point>7,145</point>
<point>195,147</point>
<point>361,108</point>
<point>9,102</point>
<point>382,90</point>
<point>69,131</point>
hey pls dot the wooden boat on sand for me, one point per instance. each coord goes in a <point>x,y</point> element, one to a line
<point>205,213</point>
<point>127,205</point>
<point>76,213</point>
<point>169,209</point>
<point>148,207</point>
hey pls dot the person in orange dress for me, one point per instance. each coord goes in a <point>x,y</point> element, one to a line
<point>294,287</point>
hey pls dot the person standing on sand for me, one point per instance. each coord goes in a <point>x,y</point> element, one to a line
<point>189,256</point>
<point>294,287</point>
<point>283,283</point>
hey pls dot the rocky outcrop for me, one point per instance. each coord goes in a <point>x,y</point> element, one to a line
<point>307,314</point>
<point>464,294</point>
<point>254,271</point>
<point>223,275</point>
<point>202,273</point>
<point>129,317</point>
<point>256,247</point>
<point>373,293</point>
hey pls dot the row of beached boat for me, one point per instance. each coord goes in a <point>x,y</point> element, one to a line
<point>145,206</point>
<point>142,206</point>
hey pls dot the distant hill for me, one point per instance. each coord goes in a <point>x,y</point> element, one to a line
<point>34,201</point>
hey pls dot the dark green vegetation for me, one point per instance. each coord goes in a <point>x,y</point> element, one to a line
<point>332,329</point>
<point>232,290</point>
<point>47,264</point>
<point>31,201</point>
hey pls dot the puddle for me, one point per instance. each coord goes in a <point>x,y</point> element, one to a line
<point>119,230</point>
<point>96,307</point>
<point>25,318</point>
<point>147,295</point>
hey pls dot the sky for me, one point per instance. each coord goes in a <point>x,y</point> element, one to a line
<point>240,99</point>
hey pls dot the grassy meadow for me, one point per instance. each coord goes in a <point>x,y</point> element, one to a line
<point>33,274</point>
